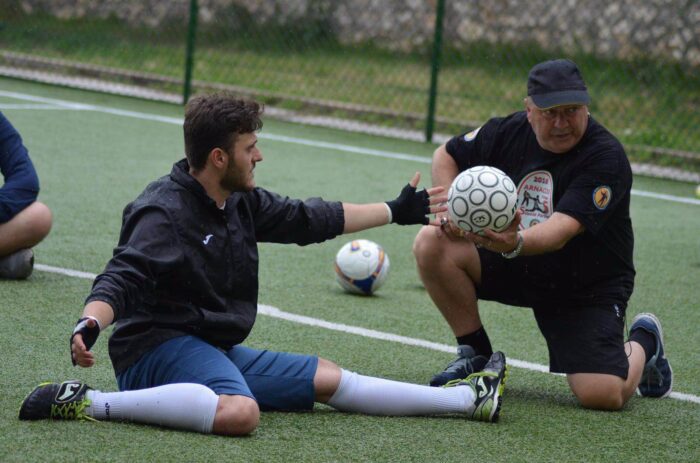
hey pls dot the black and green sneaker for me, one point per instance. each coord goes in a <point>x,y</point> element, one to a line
<point>488,386</point>
<point>65,401</point>
<point>466,363</point>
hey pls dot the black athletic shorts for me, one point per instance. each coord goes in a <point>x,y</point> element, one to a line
<point>580,339</point>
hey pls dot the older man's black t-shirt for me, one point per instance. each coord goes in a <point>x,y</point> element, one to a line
<point>591,183</point>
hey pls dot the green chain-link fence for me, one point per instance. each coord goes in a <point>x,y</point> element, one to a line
<point>373,65</point>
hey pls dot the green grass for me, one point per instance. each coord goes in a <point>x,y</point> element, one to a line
<point>91,164</point>
<point>644,102</point>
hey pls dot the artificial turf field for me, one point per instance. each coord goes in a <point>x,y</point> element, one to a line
<point>94,153</point>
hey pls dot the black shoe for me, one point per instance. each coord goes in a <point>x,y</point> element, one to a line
<point>466,363</point>
<point>488,386</point>
<point>65,401</point>
<point>657,376</point>
<point>18,265</point>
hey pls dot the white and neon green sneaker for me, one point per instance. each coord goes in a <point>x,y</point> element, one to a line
<point>51,401</point>
<point>488,386</point>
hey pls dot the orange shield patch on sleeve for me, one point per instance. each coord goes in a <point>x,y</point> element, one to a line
<point>602,196</point>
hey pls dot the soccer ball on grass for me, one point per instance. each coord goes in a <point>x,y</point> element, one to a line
<point>482,197</point>
<point>361,267</point>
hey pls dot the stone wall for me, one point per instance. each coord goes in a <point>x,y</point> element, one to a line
<point>667,29</point>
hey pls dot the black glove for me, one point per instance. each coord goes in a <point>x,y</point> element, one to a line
<point>89,334</point>
<point>411,207</point>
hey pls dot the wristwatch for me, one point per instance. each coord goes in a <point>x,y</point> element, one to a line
<point>518,247</point>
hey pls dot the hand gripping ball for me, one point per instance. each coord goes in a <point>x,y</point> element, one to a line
<point>481,198</point>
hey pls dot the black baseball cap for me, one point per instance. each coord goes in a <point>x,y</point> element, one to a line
<point>556,83</point>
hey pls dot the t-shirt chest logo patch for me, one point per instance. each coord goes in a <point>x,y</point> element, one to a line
<point>602,196</point>
<point>535,196</point>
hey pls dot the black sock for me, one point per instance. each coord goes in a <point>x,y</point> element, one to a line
<point>646,339</point>
<point>479,340</point>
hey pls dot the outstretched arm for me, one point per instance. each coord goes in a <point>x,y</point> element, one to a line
<point>411,207</point>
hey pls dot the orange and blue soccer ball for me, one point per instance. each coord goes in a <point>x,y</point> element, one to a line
<point>361,267</point>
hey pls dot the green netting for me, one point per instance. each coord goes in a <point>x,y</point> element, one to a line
<point>301,65</point>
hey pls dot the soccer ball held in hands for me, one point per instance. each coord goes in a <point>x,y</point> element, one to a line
<point>482,197</point>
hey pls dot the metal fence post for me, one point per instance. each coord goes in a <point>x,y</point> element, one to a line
<point>434,71</point>
<point>189,56</point>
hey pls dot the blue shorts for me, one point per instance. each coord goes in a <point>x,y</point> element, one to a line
<point>276,380</point>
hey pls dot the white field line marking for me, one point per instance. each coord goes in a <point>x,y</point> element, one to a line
<point>677,199</point>
<point>65,271</point>
<point>63,104</point>
<point>5,106</point>
<point>368,333</point>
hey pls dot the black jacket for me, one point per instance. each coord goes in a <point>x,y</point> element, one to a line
<point>184,266</point>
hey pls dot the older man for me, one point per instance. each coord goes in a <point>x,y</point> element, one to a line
<point>568,254</point>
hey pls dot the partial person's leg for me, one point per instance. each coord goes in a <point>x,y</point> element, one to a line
<point>649,370</point>
<point>188,359</point>
<point>587,345</point>
<point>279,381</point>
<point>17,237</point>
<point>26,229</point>
<point>450,270</point>
<point>285,381</point>
<point>181,406</point>
<point>609,392</point>
<point>187,406</point>
<point>184,383</point>
<point>479,396</point>
<point>326,380</point>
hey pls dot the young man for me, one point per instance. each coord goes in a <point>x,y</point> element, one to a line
<point>567,255</point>
<point>24,221</point>
<point>182,287</point>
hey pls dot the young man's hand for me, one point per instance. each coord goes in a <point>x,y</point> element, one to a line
<point>412,207</point>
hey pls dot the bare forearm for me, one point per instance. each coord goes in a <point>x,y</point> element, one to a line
<point>550,235</point>
<point>102,311</point>
<point>363,216</point>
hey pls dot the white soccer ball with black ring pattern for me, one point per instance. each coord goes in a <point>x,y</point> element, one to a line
<point>482,197</point>
<point>361,267</point>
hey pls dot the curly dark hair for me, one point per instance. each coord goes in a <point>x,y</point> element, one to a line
<point>214,121</point>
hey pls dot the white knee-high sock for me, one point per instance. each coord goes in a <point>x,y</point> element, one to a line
<point>377,396</point>
<point>183,406</point>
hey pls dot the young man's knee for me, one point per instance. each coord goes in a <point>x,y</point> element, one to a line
<point>236,415</point>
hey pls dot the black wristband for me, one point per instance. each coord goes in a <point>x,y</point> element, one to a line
<point>89,334</point>
<point>411,207</point>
